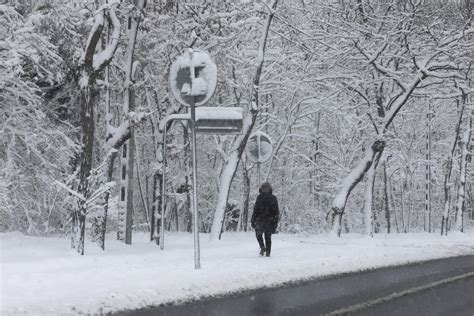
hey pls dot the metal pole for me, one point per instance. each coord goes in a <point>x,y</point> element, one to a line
<point>163,191</point>
<point>258,173</point>
<point>429,166</point>
<point>258,160</point>
<point>197,256</point>
<point>197,259</point>
<point>427,177</point>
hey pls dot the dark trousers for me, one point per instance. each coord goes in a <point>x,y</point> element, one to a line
<point>268,240</point>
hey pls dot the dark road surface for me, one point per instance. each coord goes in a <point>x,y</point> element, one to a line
<point>438,287</point>
<point>455,298</point>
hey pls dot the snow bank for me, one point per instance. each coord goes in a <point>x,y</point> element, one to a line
<point>43,276</point>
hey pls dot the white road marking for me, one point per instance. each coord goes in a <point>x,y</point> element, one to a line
<point>380,300</point>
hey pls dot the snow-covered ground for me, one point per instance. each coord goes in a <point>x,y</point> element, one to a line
<point>43,276</point>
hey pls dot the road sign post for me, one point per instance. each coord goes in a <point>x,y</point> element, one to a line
<point>259,149</point>
<point>197,251</point>
<point>192,104</point>
<point>193,79</point>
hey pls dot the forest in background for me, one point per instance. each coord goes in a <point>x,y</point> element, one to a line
<point>368,103</point>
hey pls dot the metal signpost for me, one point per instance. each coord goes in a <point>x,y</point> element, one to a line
<point>193,79</point>
<point>259,149</point>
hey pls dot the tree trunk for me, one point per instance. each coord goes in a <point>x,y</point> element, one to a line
<point>314,183</point>
<point>157,180</point>
<point>88,94</point>
<point>129,187</point>
<point>224,187</point>
<point>392,205</point>
<point>100,223</point>
<point>126,190</point>
<point>245,198</point>
<point>103,219</point>
<point>387,197</point>
<point>427,213</point>
<point>369,192</point>
<point>411,202</point>
<point>447,178</point>
<point>460,207</point>
<point>74,233</point>
<point>187,168</point>
<point>156,209</point>
<point>350,181</point>
<point>143,195</point>
<point>402,205</point>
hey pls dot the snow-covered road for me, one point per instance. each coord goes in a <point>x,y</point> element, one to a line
<point>43,276</point>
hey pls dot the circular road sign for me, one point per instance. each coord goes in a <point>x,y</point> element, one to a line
<point>193,77</point>
<point>259,147</point>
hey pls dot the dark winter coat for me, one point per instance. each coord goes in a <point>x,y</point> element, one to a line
<point>265,213</point>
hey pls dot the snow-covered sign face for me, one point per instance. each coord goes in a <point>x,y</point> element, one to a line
<point>259,147</point>
<point>193,77</point>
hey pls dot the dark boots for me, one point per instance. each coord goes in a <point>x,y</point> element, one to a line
<point>264,252</point>
<point>266,247</point>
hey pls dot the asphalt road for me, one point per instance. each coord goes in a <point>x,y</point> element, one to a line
<point>456,298</point>
<point>438,287</point>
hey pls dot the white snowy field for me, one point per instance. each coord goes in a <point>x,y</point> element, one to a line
<point>43,276</point>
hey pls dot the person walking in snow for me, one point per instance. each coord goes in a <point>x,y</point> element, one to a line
<point>265,218</point>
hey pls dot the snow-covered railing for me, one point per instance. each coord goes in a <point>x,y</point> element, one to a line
<point>173,117</point>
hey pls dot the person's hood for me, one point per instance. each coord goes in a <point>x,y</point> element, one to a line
<point>265,188</point>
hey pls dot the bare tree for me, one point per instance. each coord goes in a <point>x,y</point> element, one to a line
<point>92,65</point>
<point>128,149</point>
<point>433,65</point>
<point>228,172</point>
